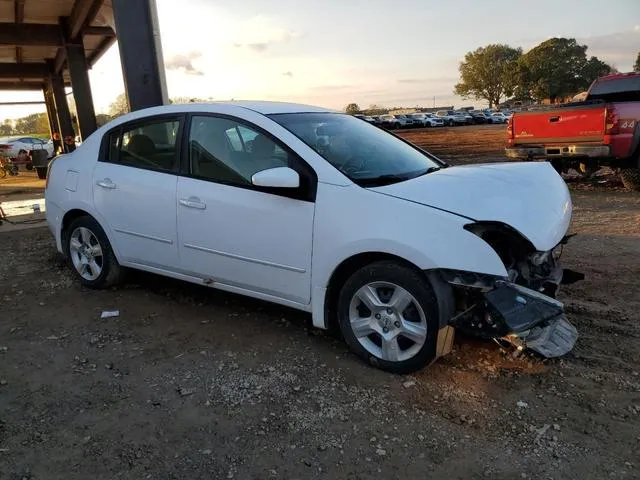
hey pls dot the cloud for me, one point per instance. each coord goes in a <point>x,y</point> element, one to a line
<point>619,48</point>
<point>412,80</point>
<point>287,74</point>
<point>184,63</point>
<point>331,88</point>
<point>261,32</point>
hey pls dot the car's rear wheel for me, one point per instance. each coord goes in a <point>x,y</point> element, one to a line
<point>451,123</point>
<point>388,315</point>
<point>90,254</point>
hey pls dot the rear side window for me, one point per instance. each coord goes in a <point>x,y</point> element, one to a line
<point>151,145</point>
<point>618,90</point>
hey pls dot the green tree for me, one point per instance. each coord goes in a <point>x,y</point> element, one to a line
<point>352,108</point>
<point>120,106</point>
<point>34,123</point>
<point>102,119</point>
<point>636,67</point>
<point>558,68</point>
<point>595,68</point>
<point>6,128</point>
<point>489,73</point>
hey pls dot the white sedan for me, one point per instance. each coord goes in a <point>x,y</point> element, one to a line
<point>322,212</point>
<point>11,146</point>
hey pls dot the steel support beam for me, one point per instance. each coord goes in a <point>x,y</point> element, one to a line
<point>99,31</point>
<point>82,15</point>
<point>21,85</point>
<point>81,89</point>
<point>55,84</point>
<point>25,34</point>
<point>52,115</point>
<point>140,53</point>
<point>24,70</point>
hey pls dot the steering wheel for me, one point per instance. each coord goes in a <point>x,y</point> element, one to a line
<point>353,165</point>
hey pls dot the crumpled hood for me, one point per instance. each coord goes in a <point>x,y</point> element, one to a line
<point>529,196</point>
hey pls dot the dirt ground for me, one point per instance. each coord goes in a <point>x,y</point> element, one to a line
<point>193,383</point>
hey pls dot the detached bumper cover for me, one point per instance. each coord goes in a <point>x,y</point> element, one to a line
<point>537,320</point>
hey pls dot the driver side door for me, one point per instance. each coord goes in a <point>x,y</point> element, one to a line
<point>240,237</point>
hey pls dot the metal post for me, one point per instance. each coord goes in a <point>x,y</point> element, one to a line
<point>56,85</point>
<point>53,119</point>
<point>81,89</point>
<point>136,26</point>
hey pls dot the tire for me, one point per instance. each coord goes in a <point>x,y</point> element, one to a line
<point>42,172</point>
<point>29,166</point>
<point>451,123</point>
<point>110,272</point>
<point>557,165</point>
<point>631,178</point>
<point>419,317</point>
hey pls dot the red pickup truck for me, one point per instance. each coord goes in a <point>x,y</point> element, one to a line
<point>602,130</point>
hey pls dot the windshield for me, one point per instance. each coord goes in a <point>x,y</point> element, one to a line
<point>366,154</point>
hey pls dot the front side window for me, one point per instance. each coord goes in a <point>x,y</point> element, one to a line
<point>367,155</point>
<point>151,145</point>
<point>226,151</point>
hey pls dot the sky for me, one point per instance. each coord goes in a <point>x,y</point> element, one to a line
<point>334,52</point>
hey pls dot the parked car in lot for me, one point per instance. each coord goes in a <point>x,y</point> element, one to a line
<point>478,117</point>
<point>366,118</point>
<point>468,118</point>
<point>243,197</point>
<point>406,121</point>
<point>426,120</point>
<point>390,122</point>
<point>498,117</point>
<point>451,118</point>
<point>10,147</point>
<point>603,130</point>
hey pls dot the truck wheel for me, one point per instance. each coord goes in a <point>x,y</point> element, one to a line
<point>29,166</point>
<point>42,172</point>
<point>631,178</point>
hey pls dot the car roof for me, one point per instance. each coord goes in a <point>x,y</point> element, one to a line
<point>262,107</point>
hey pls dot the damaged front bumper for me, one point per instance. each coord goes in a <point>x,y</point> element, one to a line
<point>522,316</point>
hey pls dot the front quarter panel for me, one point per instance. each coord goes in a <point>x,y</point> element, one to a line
<point>352,220</point>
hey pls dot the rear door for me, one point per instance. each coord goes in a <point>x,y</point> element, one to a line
<point>134,189</point>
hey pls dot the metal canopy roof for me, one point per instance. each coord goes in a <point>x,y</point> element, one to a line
<point>33,34</point>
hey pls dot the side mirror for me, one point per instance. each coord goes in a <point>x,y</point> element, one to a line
<point>278,177</point>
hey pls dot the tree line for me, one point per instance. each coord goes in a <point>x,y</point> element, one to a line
<point>554,70</point>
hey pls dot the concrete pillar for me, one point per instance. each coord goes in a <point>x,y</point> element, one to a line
<point>136,26</point>
<point>55,83</point>
<point>78,70</point>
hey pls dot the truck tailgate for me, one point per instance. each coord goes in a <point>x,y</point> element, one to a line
<point>582,123</point>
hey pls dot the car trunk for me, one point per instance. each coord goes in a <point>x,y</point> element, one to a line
<point>563,125</point>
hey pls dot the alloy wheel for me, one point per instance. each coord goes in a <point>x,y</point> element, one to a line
<point>388,321</point>
<point>86,253</point>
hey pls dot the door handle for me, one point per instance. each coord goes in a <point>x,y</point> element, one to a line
<point>106,183</point>
<point>192,202</point>
<point>554,119</point>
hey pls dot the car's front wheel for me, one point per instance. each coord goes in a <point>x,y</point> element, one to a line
<point>90,254</point>
<point>388,315</point>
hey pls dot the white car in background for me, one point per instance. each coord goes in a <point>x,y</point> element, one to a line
<point>325,213</point>
<point>427,120</point>
<point>11,146</point>
<point>498,117</point>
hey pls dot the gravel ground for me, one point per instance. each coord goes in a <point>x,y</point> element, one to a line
<point>193,383</point>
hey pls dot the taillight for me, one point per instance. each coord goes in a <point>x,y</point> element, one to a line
<point>5,146</point>
<point>611,126</point>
